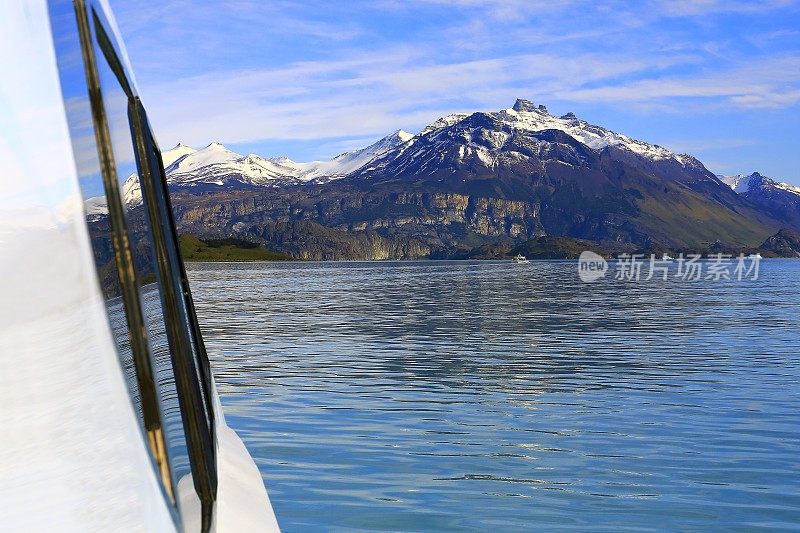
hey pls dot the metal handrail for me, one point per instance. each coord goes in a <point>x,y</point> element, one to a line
<point>197,418</point>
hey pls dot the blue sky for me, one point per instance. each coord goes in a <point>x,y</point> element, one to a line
<point>717,79</point>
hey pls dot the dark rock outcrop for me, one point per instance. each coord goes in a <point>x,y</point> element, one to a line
<point>785,243</point>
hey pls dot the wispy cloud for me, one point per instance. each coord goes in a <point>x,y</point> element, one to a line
<point>772,82</point>
<point>367,94</point>
<point>691,8</point>
<point>247,71</point>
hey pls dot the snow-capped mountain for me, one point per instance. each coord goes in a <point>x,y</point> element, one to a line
<point>527,116</point>
<point>526,135</point>
<point>469,180</point>
<point>216,165</point>
<point>97,206</point>
<point>742,183</point>
<point>131,191</point>
<point>524,115</point>
<point>778,199</point>
<point>481,178</point>
<point>348,162</point>
<point>170,156</point>
<point>739,183</point>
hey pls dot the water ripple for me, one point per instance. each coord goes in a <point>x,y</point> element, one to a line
<point>456,396</point>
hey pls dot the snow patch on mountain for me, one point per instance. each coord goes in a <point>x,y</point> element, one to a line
<point>212,154</point>
<point>215,164</point>
<point>131,191</point>
<point>787,187</point>
<point>742,183</point>
<point>173,154</point>
<point>97,206</point>
<point>444,122</point>
<point>348,162</point>
<point>527,116</point>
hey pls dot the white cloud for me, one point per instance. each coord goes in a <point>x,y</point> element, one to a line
<point>245,71</point>
<point>367,94</point>
<point>691,8</point>
<point>773,82</point>
<point>375,93</point>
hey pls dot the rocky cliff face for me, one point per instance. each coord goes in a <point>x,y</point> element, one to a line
<point>378,225</point>
<point>785,243</point>
<point>308,240</point>
<point>355,212</point>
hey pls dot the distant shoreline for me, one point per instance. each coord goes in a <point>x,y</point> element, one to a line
<point>429,260</point>
<point>546,247</point>
<point>228,250</point>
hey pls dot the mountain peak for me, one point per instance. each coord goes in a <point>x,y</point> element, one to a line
<point>759,185</point>
<point>402,135</point>
<point>742,183</point>
<point>756,178</point>
<point>218,150</point>
<point>526,106</point>
<point>173,154</point>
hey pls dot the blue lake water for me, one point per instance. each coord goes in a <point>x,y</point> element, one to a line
<point>478,396</point>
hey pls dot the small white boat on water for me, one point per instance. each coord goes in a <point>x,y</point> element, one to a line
<point>666,257</point>
<point>519,258</point>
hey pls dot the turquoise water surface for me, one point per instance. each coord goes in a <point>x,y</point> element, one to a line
<point>491,396</point>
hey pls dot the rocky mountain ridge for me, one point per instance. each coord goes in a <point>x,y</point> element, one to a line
<point>467,181</point>
<point>216,166</point>
<point>779,200</point>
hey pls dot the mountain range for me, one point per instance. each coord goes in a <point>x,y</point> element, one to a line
<point>477,181</point>
<point>780,200</point>
<point>216,166</point>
